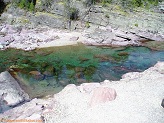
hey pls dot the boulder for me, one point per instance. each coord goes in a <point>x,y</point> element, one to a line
<point>10,90</point>
<point>102,95</point>
<point>162,104</point>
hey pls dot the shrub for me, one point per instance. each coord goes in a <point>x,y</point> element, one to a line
<point>22,4</point>
<point>25,4</point>
<point>73,13</point>
<point>87,25</point>
<point>31,8</point>
<point>136,25</point>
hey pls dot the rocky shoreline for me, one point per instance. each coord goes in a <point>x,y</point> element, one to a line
<point>29,39</point>
<point>136,98</point>
<point>96,25</point>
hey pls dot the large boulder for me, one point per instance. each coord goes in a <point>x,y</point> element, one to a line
<point>10,91</point>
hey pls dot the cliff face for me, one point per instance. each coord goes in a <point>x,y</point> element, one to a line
<point>80,15</point>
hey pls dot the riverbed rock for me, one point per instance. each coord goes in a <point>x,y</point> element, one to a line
<point>13,93</point>
<point>64,82</point>
<point>37,75</point>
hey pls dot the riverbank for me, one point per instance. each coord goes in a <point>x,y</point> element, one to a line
<point>96,25</point>
<point>29,39</point>
<point>136,98</point>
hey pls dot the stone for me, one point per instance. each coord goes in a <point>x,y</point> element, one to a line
<point>71,88</point>
<point>88,87</point>
<point>74,38</point>
<point>102,95</point>
<point>1,46</point>
<point>79,75</point>
<point>103,57</point>
<point>37,75</point>
<point>81,81</point>
<point>79,69</point>
<point>82,59</point>
<point>50,69</point>
<point>64,82</point>
<point>162,104</point>
<point>47,73</point>
<point>123,53</point>
<point>160,67</point>
<point>13,93</point>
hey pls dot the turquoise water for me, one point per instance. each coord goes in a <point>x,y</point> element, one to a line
<point>139,59</point>
<point>46,71</point>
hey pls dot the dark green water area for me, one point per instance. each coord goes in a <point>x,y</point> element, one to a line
<point>46,71</point>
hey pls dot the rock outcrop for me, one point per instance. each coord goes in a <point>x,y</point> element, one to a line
<point>138,100</point>
<point>28,39</point>
<point>10,92</point>
<point>101,25</point>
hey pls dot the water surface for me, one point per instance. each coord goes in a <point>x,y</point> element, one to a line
<point>46,71</point>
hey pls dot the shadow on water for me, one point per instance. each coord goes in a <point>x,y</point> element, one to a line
<point>46,71</point>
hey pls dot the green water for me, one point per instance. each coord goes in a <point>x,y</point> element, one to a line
<point>46,71</point>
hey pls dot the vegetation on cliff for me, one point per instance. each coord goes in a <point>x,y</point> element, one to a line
<point>126,4</point>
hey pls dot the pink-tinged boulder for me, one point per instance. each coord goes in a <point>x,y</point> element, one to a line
<point>102,95</point>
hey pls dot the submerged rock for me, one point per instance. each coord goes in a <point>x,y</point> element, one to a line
<point>103,57</point>
<point>37,75</point>
<point>123,53</point>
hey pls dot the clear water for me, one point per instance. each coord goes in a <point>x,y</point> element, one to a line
<point>74,64</point>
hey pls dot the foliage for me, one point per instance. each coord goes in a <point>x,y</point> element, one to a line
<point>126,4</point>
<point>136,24</point>
<point>138,3</point>
<point>87,25</point>
<point>24,4</point>
<point>32,7</point>
<point>73,13</point>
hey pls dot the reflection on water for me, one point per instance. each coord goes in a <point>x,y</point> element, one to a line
<point>46,71</point>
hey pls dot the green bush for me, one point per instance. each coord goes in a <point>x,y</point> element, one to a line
<point>31,8</point>
<point>136,25</point>
<point>127,4</point>
<point>73,13</point>
<point>22,4</point>
<point>138,3</point>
